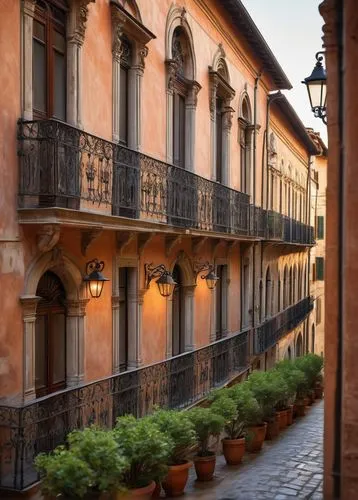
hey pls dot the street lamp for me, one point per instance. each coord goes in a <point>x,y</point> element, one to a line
<point>165,281</point>
<point>94,277</point>
<point>316,85</point>
<point>211,278</point>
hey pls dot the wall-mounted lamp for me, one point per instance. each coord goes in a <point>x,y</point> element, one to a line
<point>165,281</point>
<point>94,277</point>
<point>210,277</point>
<point>316,85</point>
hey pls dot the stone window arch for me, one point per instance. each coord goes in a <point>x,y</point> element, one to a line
<point>70,276</point>
<point>245,137</point>
<point>221,112</point>
<point>75,19</point>
<point>129,50</point>
<point>182,90</point>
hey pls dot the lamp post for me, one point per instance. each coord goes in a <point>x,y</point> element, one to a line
<point>94,277</point>
<point>316,85</point>
<point>165,281</point>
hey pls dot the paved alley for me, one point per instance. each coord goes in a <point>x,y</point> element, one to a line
<point>290,467</point>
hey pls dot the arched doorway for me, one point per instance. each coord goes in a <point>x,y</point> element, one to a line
<point>50,335</point>
<point>313,337</point>
<point>178,313</point>
<point>299,345</point>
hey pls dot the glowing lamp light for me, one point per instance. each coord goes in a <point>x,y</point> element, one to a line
<point>94,278</point>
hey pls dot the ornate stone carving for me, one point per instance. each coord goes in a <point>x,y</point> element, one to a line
<point>228,114</point>
<point>171,74</point>
<point>47,237</point>
<point>142,54</point>
<point>214,82</point>
<point>81,15</point>
<point>192,98</point>
<point>124,239</point>
<point>328,11</point>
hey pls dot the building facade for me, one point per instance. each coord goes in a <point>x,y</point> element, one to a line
<point>149,140</point>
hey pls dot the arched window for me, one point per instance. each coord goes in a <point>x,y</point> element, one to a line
<point>221,95</point>
<point>285,288</point>
<point>245,131</point>
<point>290,287</point>
<point>299,347</point>
<point>294,285</point>
<point>50,336</point>
<point>182,90</point>
<point>49,57</point>
<point>178,313</point>
<point>268,297</point>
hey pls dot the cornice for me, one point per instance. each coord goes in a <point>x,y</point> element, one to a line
<point>291,146</point>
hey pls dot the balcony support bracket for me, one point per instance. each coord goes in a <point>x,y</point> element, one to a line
<point>88,237</point>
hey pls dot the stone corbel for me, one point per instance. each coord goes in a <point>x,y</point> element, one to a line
<point>140,54</point>
<point>171,242</point>
<point>231,245</point>
<point>214,82</point>
<point>118,20</point>
<point>192,98</point>
<point>198,243</point>
<point>88,237</point>
<point>79,19</point>
<point>143,241</point>
<point>227,117</point>
<point>216,244</point>
<point>47,237</point>
<point>123,240</point>
<point>171,66</point>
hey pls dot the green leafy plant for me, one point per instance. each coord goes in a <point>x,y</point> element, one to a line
<point>180,430</point>
<point>101,452</point>
<point>295,379</point>
<point>311,365</point>
<point>146,448</point>
<point>226,407</point>
<point>248,409</point>
<point>207,424</point>
<point>64,473</point>
<point>267,390</point>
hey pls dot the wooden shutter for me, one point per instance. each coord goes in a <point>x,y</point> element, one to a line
<point>319,268</point>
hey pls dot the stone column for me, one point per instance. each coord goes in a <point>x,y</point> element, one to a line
<point>26,56</point>
<point>169,347</point>
<point>190,112</point>
<point>189,317</point>
<point>212,104</point>
<point>227,124</point>
<point>115,334</point>
<point>134,341</point>
<point>75,319</point>
<point>29,305</point>
<point>213,315</point>
<point>171,69</point>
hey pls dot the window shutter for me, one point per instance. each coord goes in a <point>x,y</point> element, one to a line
<point>319,268</point>
<point>320,227</point>
<point>318,311</point>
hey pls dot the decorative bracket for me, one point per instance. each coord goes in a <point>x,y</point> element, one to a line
<point>152,272</point>
<point>88,237</point>
<point>47,237</point>
<point>198,243</point>
<point>170,242</point>
<point>143,240</point>
<point>200,267</point>
<point>123,240</point>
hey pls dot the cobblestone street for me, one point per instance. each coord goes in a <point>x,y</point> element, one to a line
<point>290,467</point>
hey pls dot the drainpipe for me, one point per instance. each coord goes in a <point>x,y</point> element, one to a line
<point>336,469</point>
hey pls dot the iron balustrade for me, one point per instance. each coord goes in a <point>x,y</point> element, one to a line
<point>178,382</point>
<point>62,166</point>
<point>273,329</point>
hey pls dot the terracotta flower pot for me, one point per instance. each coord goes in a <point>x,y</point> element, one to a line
<point>137,493</point>
<point>318,392</point>
<point>256,437</point>
<point>233,450</point>
<point>205,467</point>
<point>157,490</point>
<point>273,429</point>
<point>176,479</point>
<point>282,419</point>
<point>300,408</point>
<point>290,415</point>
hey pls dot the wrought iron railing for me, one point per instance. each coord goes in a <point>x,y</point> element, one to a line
<point>175,383</point>
<point>272,330</point>
<point>62,166</point>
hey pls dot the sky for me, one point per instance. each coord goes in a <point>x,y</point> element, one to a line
<point>293,30</point>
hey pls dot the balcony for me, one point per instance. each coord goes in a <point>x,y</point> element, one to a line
<point>178,382</point>
<point>272,330</point>
<point>62,166</point>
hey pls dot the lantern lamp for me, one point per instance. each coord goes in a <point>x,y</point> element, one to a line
<point>165,281</point>
<point>316,85</point>
<point>94,277</point>
<point>210,277</point>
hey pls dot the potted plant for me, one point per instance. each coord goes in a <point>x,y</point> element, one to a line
<point>265,387</point>
<point>284,394</point>
<point>64,475</point>
<point>100,451</point>
<point>293,378</point>
<point>207,425</point>
<point>234,440</point>
<point>147,451</point>
<point>180,430</point>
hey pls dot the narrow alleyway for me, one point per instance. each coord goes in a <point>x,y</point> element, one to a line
<point>290,467</point>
